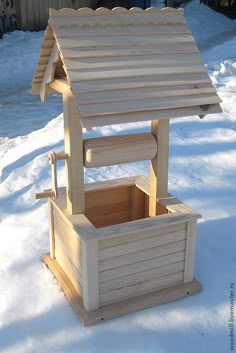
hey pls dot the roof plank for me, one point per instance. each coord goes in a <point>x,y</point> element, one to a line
<point>147,104</point>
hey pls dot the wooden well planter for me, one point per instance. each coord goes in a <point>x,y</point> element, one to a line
<point>122,245</point>
<point>109,259</point>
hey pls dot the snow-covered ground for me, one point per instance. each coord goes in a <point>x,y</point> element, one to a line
<point>34,315</point>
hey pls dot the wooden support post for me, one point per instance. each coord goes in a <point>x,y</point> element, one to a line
<point>190,251</point>
<point>51,230</point>
<point>90,274</point>
<point>159,164</point>
<point>74,163</point>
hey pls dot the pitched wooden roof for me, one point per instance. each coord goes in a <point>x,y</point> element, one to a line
<point>125,65</point>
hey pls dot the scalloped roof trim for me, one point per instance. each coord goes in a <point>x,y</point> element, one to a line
<point>86,11</point>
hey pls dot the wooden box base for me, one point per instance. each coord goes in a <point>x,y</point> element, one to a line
<point>115,259</point>
<point>124,307</point>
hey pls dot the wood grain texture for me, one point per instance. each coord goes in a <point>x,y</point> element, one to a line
<point>140,235</point>
<point>69,269</point>
<point>141,245</point>
<point>131,61</point>
<point>140,277</point>
<point>51,229</point>
<point>73,137</point>
<point>137,51</point>
<point>104,151</point>
<point>137,203</point>
<point>131,117</point>
<point>190,251</point>
<point>49,72</point>
<point>159,164</point>
<point>143,255</point>
<point>90,274</point>
<point>139,266</point>
<point>77,31</point>
<point>141,288</point>
<point>122,308</point>
<point>100,109</point>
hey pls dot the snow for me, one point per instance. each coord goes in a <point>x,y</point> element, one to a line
<point>34,315</point>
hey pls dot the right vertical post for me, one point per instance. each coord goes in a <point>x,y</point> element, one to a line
<point>159,164</point>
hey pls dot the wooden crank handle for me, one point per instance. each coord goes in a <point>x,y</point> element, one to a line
<point>44,194</point>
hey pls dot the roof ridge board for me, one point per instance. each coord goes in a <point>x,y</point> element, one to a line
<point>86,11</point>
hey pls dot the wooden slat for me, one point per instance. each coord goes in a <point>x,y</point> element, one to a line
<point>128,51</point>
<point>106,210</point>
<point>114,20</point>
<point>140,245</point>
<point>49,73</point>
<point>148,105</point>
<point>134,40</point>
<point>72,252</point>
<point>134,72</point>
<point>107,312</point>
<point>62,258</point>
<point>77,31</point>
<point>137,204</point>
<point>159,165</point>
<point>131,258</point>
<point>115,194</point>
<point>190,251</point>
<point>122,239</point>
<point>138,267</point>
<point>131,61</point>
<point>69,270</point>
<point>144,93</point>
<point>90,274</point>
<point>136,82</point>
<point>140,277</point>
<point>112,119</point>
<point>110,219</point>
<point>73,137</point>
<point>99,152</point>
<point>170,202</point>
<point>51,229</point>
<point>140,288</point>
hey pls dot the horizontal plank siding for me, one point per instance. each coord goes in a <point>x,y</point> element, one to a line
<point>140,277</point>
<point>140,235</point>
<point>139,245</point>
<point>142,255</point>
<point>67,239</point>
<point>140,266</point>
<point>73,255</point>
<point>69,269</point>
<point>141,288</point>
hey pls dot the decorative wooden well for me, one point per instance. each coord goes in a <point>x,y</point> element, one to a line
<point>122,245</point>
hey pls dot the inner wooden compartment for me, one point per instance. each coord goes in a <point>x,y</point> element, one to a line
<point>112,206</point>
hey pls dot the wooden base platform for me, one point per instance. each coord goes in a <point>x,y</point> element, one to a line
<point>122,308</point>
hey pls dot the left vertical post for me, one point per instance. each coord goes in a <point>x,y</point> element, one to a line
<point>74,164</point>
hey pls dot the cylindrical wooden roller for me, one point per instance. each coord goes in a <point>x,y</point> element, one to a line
<point>104,151</point>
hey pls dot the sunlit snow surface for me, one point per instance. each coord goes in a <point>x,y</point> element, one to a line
<point>34,315</point>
